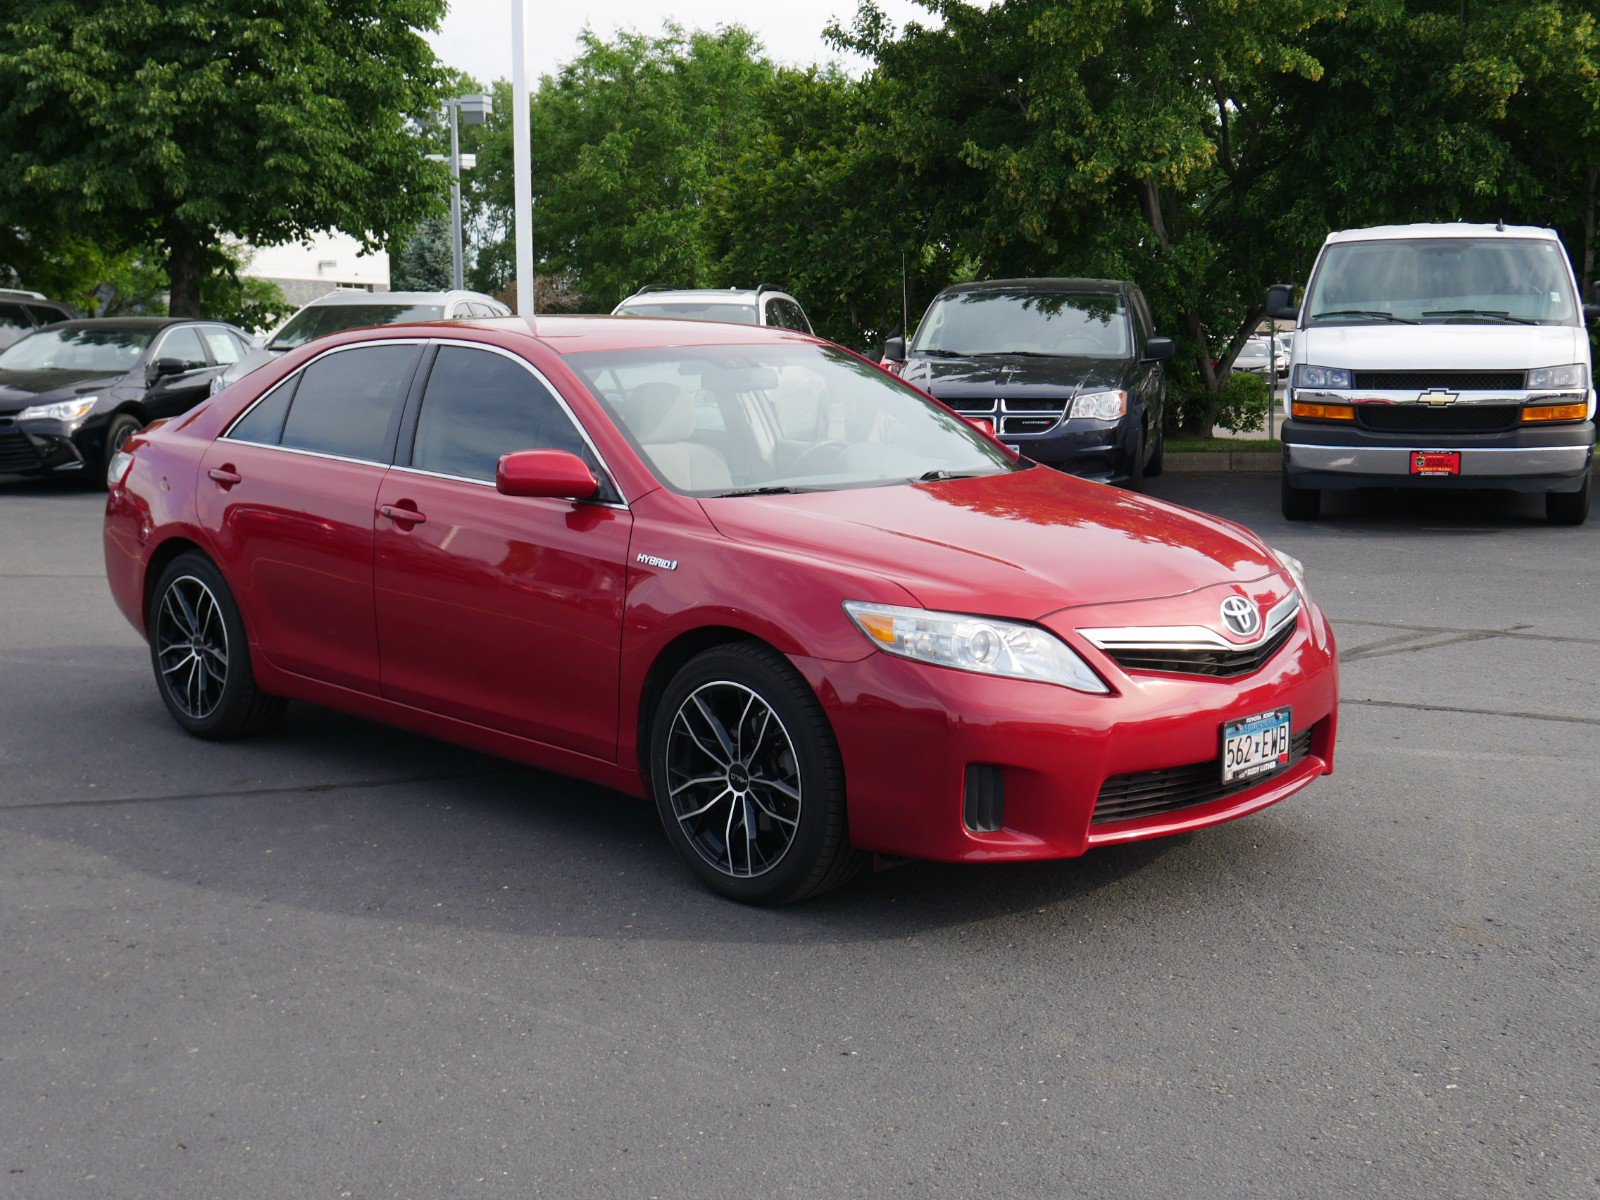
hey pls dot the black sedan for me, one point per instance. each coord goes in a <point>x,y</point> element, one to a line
<point>1066,371</point>
<point>73,392</point>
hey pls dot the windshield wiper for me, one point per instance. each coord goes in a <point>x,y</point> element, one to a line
<point>771,489</point>
<point>1025,354</point>
<point>942,473</point>
<point>1375,313</point>
<point>1494,314</point>
<point>941,353</point>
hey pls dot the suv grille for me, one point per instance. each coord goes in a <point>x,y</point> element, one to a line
<point>1456,418</point>
<point>1150,793</point>
<point>1220,664</point>
<point>16,451</point>
<point>1031,414</point>
<point>1460,381</point>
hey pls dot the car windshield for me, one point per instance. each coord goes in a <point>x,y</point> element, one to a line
<point>103,351</point>
<point>697,310</point>
<point>1022,322</point>
<point>715,420</point>
<point>1492,280</point>
<point>319,320</point>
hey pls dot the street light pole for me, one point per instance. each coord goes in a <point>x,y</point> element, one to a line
<point>521,161</point>
<point>457,274</point>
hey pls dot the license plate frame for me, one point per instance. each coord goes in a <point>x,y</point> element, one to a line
<point>1433,463</point>
<point>1256,746</point>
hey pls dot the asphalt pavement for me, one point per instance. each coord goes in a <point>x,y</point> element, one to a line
<point>345,961</point>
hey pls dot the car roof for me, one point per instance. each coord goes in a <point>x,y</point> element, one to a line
<point>146,323</point>
<point>727,295</point>
<point>580,334</point>
<point>356,296</point>
<point>1045,284</point>
<point>1444,229</point>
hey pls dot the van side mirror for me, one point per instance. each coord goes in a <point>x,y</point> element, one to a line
<point>894,350</point>
<point>552,473</point>
<point>1158,349</point>
<point>1280,302</point>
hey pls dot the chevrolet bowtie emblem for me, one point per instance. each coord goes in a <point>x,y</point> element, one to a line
<point>1437,397</point>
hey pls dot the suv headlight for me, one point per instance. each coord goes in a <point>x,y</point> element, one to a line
<point>985,645</point>
<point>62,410</point>
<point>1101,406</point>
<point>1569,376</point>
<point>1308,376</point>
<point>1296,569</point>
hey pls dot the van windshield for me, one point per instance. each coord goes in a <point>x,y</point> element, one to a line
<point>1026,322</point>
<point>1488,280</point>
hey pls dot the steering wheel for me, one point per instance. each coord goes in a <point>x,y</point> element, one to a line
<point>834,444</point>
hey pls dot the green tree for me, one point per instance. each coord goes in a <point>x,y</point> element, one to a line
<point>423,261</point>
<point>173,122</point>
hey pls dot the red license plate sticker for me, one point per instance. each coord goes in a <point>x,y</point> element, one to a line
<point>1436,462</point>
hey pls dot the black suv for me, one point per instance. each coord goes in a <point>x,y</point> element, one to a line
<point>23,312</point>
<point>1066,371</point>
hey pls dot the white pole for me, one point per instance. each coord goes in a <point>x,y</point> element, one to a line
<point>521,161</point>
<point>457,275</point>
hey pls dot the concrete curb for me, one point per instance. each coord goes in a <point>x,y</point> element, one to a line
<point>1196,461</point>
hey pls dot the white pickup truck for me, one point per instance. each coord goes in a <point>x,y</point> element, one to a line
<point>1438,357</point>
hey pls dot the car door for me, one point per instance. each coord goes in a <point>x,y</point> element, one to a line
<point>288,495</point>
<point>505,611</point>
<point>169,395</point>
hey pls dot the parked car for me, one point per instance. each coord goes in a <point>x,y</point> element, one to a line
<point>743,306</point>
<point>22,312</point>
<point>1066,371</point>
<point>1255,355</point>
<point>1440,357</point>
<point>837,620</point>
<point>351,309</point>
<point>73,392</point>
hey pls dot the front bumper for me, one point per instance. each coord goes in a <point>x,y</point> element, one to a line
<point>42,447</point>
<point>1101,451</point>
<point>909,732</point>
<point>1528,459</point>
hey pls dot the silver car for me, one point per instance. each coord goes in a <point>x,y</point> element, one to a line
<point>738,306</point>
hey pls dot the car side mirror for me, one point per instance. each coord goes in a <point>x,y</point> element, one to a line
<point>163,368</point>
<point>894,350</point>
<point>1280,302</point>
<point>555,474</point>
<point>1159,349</point>
<point>1591,313</point>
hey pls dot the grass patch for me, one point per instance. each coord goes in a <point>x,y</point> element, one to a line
<point>1219,445</point>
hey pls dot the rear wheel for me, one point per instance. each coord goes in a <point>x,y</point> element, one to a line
<point>1300,504</point>
<point>748,779</point>
<point>201,654</point>
<point>1569,508</point>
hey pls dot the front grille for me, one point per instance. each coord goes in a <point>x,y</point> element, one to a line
<point>1455,418</point>
<point>1220,664</point>
<point>1150,793</point>
<point>16,451</point>
<point>1031,414</point>
<point>1457,381</point>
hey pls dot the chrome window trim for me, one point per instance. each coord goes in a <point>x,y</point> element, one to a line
<point>1192,637</point>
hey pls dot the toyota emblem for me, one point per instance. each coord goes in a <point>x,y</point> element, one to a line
<point>1240,616</point>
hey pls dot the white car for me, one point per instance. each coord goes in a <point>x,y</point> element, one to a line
<point>1440,357</point>
<point>739,306</point>
<point>349,308</point>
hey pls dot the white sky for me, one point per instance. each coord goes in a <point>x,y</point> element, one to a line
<point>476,34</point>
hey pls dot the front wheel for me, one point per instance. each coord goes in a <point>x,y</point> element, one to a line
<point>122,427</point>
<point>1158,459</point>
<point>748,779</point>
<point>1300,504</point>
<point>1569,508</point>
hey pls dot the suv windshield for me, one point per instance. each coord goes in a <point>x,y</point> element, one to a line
<point>1059,324</point>
<point>1492,280</point>
<point>733,314</point>
<point>715,420</point>
<point>104,351</point>
<point>319,320</point>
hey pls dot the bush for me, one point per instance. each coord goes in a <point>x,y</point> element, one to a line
<point>1245,402</point>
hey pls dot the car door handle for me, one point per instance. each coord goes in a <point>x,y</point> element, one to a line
<point>402,514</point>
<point>225,476</point>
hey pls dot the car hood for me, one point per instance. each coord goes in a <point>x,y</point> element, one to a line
<point>957,378</point>
<point>1438,346</point>
<point>20,389</point>
<point>1020,545</point>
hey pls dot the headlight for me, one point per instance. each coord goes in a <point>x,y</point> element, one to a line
<point>1569,376</point>
<point>1307,376</point>
<point>1102,406</point>
<point>986,645</point>
<point>1297,571</point>
<point>61,410</point>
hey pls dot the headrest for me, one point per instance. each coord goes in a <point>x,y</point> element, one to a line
<point>661,412</point>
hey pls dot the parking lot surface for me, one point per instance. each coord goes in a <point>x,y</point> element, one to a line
<point>341,960</point>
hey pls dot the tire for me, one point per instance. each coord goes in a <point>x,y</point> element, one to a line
<point>1136,467</point>
<point>195,629</point>
<point>1569,508</point>
<point>123,426</point>
<point>1300,504</point>
<point>1153,468</point>
<point>735,721</point>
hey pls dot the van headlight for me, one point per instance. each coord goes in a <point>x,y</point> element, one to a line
<point>1308,376</point>
<point>1569,376</point>
<point>984,645</point>
<point>69,411</point>
<point>1100,406</point>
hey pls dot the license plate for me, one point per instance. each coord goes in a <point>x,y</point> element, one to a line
<point>1436,462</point>
<point>1256,745</point>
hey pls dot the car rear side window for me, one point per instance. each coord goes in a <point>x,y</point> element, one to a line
<point>224,346</point>
<point>478,406</point>
<point>12,318</point>
<point>45,315</point>
<point>348,402</point>
<point>263,424</point>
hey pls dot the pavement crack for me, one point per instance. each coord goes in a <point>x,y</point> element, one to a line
<point>1478,712</point>
<point>1515,631</point>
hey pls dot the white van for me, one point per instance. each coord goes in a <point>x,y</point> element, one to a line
<point>1439,357</point>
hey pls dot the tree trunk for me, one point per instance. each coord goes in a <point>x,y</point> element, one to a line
<point>1586,281</point>
<point>185,271</point>
<point>1198,420</point>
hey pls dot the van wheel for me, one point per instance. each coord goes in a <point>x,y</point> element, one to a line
<point>1300,504</point>
<point>1158,459</point>
<point>1569,508</point>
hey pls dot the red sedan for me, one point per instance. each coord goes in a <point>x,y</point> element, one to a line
<point>808,610</point>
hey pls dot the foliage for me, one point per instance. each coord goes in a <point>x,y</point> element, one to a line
<point>1243,405</point>
<point>422,263</point>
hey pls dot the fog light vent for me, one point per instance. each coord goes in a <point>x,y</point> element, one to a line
<point>984,806</point>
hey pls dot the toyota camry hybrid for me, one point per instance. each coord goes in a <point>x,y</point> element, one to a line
<point>809,611</point>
